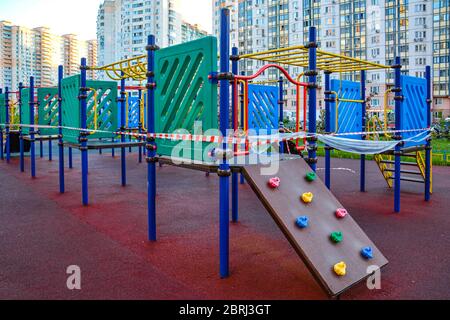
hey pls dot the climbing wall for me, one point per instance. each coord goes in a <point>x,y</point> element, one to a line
<point>349,113</point>
<point>48,110</point>
<point>184,96</point>
<point>331,244</point>
<point>263,108</point>
<point>25,111</point>
<point>414,107</point>
<point>102,108</point>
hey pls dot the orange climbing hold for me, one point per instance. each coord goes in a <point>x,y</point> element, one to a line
<point>307,197</point>
<point>274,183</point>
<point>340,269</point>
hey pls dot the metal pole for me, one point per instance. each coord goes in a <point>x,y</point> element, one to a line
<point>151,144</point>
<point>327,129</point>
<point>429,147</point>
<point>7,130</point>
<point>363,127</point>
<point>22,158</point>
<point>224,168</point>
<point>312,73</point>
<point>1,135</point>
<point>281,108</point>
<point>70,158</point>
<point>140,126</point>
<point>122,129</point>
<point>32,130</point>
<point>398,126</point>
<point>242,118</point>
<point>60,133</point>
<point>235,176</point>
<point>83,134</point>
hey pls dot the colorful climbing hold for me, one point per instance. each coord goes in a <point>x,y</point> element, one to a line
<point>311,177</point>
<point>337,237</point>
<point>302,222</point>
<point>274,182</point>
<point>367,253</point>
<point>307,197</point>
<point>340,269</point>
<point>341,213</point>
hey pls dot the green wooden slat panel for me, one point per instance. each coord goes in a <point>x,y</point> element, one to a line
<point>48,110</point>
<point>25,110</point>
<point>184,95</point>
<point>107,108</point>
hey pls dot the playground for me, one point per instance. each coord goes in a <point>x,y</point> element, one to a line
<point>177,178</point>
<point>108,239</point>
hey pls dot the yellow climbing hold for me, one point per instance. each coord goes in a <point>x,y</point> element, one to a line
<point>340,269</point>
<point>307,197</point>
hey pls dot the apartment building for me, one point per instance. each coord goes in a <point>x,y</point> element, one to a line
<point>375,30</point>
<point>124,25</point>
<point>38,52</point>
<point>190,32</point>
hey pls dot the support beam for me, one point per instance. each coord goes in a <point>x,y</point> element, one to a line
<point>312,146</point>
<point>327,129</point>
<point>428,160</point>
<point>398,126</point>
<point>224,167</point>
<point>83,135</point>
<point>363,127</point>
<point>235,176</point>
<point>62,187</point>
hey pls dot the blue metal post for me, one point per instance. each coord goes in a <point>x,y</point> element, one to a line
<point>242,118</point>
<point>70,158</point>
<point>22,158</point>
<point>60,133</point>
<point>41,149</point>
<point>151,144</point>
<point>398,126</point>
<point>50,153</point>
<point>281,109</point>
<point>363,115</point>
<point>1,135</point>
<point>312,72</point>
<point>140,125</point>
<point>7,129</point>
<point>428,146</point>
<point>32,130</point>
<point>235,176</point>
<point>122,129</point>
<point>83,135</point>
<point>224,168</point>
<point>327,128</point>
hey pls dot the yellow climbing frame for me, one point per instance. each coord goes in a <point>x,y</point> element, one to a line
<point>133,68</point>
<point>298,56</point>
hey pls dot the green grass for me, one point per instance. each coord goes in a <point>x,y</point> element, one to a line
<point>441,146</point>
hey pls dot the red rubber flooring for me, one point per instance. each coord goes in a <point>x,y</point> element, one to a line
<point>43,232</point>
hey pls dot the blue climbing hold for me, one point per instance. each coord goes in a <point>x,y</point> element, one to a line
<point>302,222</point>
<point>367,253</point>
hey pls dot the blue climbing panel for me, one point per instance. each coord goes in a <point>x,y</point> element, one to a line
<point>263,108</point>
<point>414,107</point>
<point>133,113</point>
<point>350,117</point>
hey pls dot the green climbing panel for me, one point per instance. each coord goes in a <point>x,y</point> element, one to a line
<point>185,98</point>
<point>2,111</point>
<point>48,110</point>
<point>25,111</point>
<point>102,98</point>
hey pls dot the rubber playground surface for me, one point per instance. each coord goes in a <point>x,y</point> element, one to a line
<point>43,232</point>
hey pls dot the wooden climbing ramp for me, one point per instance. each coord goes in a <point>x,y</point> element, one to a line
<point>323,239</point>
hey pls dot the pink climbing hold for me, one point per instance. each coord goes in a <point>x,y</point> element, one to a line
<point>274,183</point>
<point>341,213</point>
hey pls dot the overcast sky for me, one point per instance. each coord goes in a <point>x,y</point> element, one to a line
<point>79,16</point>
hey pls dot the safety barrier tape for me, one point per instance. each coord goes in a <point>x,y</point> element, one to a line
<point>256,140</point>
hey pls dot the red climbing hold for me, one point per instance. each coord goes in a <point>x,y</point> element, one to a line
<point>341,213</point>
<point>274,183</point>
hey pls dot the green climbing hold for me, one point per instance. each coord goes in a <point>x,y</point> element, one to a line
<point>337,237</point>
<point>311,177</point>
